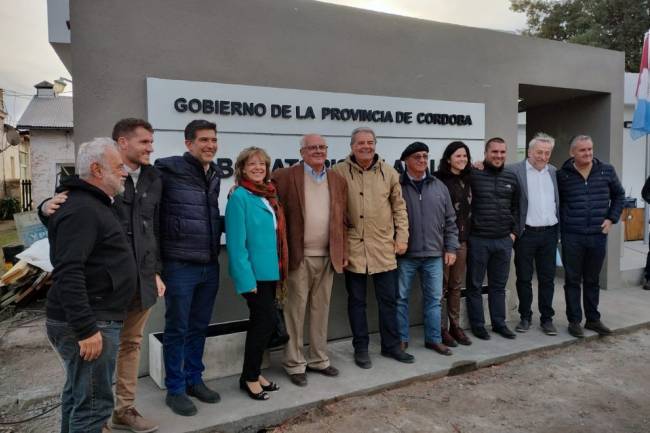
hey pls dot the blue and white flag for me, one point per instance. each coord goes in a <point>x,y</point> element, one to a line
<point>641,120</point>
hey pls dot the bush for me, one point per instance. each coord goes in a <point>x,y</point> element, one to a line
<point>8,207</point>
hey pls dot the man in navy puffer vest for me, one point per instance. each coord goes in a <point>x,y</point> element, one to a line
<point>190,229</point>
<point>591,200</point>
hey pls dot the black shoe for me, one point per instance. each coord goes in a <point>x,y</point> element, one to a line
<point>180,404</point>
<point>481,332</point>
<point>523,325</point>
<point>576,330</point>
<point>262,395</point>
<point>203,393</point>
<point>327,371</point>
<point>362,359</point>
<point>646,286</point>
<point>598,327</point>
<point>548,328</point>
<point>272,386</point>
<point>399,355</point>
<point>298,379</point>
<point>505,332</point>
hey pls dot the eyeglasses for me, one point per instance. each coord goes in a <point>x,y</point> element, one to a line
<point>420,156</point>
<point>315,147</point>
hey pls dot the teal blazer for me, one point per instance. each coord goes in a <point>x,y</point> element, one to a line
<point>251,241</point>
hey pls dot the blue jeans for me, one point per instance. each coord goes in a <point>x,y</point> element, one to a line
<point>189,300</point>
<point>583,257</point>
<point>430,269</point>
<point>87,397</point>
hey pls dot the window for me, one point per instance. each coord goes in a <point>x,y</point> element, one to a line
<point>64,171</point>
<point>23,159</point>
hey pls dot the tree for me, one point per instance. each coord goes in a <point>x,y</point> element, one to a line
<point>614,24</point>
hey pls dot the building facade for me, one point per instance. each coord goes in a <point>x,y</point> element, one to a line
<point>304,45</point>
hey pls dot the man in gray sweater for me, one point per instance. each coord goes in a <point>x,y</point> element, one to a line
<point>433,241</point>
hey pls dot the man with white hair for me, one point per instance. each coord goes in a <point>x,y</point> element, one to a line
<point>93,280</point>
<point>538,232</point>
<point>315,205</point>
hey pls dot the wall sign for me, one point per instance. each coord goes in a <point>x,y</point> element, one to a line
<point>276,118</point>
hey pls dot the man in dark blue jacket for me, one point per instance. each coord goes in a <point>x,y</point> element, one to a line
<point>190,230</point>
<point>591,200</point>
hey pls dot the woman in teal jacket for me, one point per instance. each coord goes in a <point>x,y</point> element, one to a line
<point>257,256</point>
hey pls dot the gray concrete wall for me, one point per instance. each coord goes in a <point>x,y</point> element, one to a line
<point>310,45</point>
<point>587,115</point>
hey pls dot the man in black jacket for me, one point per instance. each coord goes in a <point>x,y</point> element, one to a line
<point>137,209</point>
<point>495,222</point>
<point>189,244</point>
<point>591,201</point>
<point>93,281</point>
<point>645,193</point>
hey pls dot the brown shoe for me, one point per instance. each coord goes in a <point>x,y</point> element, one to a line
<point>327,371</point>
<point>447,339</point>
<point>460,336</point>
<point>438,347</point>
<point>298,379</point>
<point>131,420</point>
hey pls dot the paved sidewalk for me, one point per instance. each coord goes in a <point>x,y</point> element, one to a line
<point>622,310</point>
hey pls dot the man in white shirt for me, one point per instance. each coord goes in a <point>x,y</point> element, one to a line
<point>536,244</point>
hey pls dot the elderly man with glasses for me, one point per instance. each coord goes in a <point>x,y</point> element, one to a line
<point>315,203</point>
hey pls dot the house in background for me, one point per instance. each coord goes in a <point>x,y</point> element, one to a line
<point>48,120</point>
<point>15,172</point>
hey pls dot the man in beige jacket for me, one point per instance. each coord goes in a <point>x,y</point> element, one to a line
<point>378,230</point>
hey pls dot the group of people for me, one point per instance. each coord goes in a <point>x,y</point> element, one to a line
<point>124,232</point>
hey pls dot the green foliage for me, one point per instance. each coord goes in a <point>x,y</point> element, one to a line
<point>8,207</point>
<point>614,24</point>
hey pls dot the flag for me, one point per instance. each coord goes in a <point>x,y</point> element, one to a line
<point>641,119</point>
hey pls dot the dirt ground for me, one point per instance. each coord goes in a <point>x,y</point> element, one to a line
<point>601,386</point>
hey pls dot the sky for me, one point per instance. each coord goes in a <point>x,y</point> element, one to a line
<point>27,57</point>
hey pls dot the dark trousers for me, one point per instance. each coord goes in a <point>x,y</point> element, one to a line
<point>536,250</point>
<point>189,299</point>
<point>647,266</point>
<point>386,294</point>
<point>261,324</point>
<point>583,257</point>
<point>87,397</point>
<point>491,256</point>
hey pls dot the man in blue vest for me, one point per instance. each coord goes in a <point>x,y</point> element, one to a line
<point>190,231</point>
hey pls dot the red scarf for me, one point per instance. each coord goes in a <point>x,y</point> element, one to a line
<point>267,190</point>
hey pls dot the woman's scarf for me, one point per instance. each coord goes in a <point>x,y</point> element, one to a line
<point>268,191</point>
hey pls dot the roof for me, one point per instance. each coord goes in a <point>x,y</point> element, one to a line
<point>47,113</point>
<point>44,85</point>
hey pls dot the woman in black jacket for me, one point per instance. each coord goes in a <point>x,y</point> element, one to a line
<point>454,171</point>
